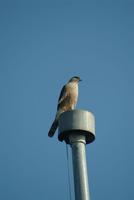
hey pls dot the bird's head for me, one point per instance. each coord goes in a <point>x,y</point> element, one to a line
<point>75,79</point>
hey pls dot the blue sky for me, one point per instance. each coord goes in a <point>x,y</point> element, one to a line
<point>42,45</point>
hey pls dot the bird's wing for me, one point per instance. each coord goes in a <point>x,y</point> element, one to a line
<point>62,96</point>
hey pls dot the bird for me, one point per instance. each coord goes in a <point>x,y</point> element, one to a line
<point>67,101</point>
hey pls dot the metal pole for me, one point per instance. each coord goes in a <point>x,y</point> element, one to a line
<point>81,186</point>
<point>77,128</point>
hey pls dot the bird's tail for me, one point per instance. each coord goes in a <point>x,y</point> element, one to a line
<point>53,128</point>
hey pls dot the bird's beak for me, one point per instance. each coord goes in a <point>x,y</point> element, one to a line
<point>80,80</point>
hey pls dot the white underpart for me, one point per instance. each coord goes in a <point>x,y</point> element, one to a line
<point>73,93</point>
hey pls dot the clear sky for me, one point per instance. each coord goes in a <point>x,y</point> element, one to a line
<point>42,45</point>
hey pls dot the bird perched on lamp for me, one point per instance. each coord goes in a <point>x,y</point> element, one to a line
<point>67,101</point>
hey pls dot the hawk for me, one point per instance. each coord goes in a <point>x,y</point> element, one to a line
<point>67,101</point>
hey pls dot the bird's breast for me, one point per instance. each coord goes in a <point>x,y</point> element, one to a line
<point>72,93</point>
